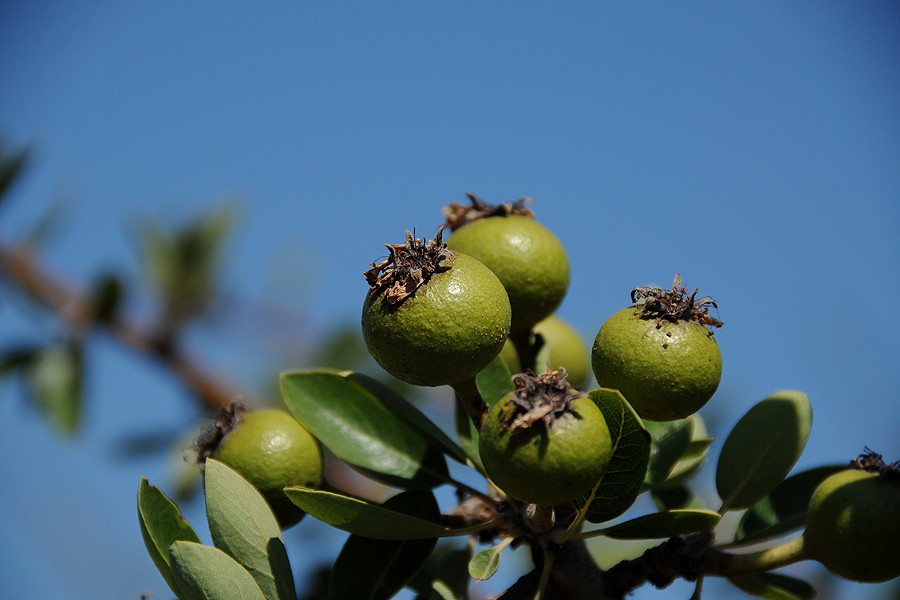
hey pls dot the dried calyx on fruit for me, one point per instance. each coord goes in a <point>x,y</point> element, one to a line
<point>674,305</point>
<point>542,399</point>
<point>458,215</point>
<point>409,266</point>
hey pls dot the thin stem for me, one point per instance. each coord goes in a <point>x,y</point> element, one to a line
<point>764,560</point>
<point>546,571</point>
<point>521,341</point>
<point>468,396</point>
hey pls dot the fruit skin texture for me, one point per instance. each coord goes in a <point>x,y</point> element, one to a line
<point>853,526</point>
<point>529,260</point>
<point>446,332</point>
<point>567,350</point>
<point>272,450</point>
<point>546,467</point>
<point>665,370</point>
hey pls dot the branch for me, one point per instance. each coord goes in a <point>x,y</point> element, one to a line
<point>78,311</point>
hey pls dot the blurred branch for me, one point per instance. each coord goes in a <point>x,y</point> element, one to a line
<point>80,312</point>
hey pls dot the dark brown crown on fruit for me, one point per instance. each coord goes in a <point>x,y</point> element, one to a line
<point>674,305</point>
<point>872,462</point>
<point>458,215</point>
<point>543,398</point>
<point>409,266</point>
<point>209,439</point>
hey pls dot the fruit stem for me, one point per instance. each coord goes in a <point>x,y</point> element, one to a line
<point>764,560</point>
<point>469,397</point>
<point>527,354</point>
<point>546,571</point>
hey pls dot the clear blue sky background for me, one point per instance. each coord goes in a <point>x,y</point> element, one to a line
<point>752,147</point>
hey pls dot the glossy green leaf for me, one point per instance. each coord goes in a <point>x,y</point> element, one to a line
<point>784,510</point>
<point>762,448</point>
<point>207,573</point>
<point>161,525</point>
<point>664,524</point>
<point>402,407</point>
<point>485,563</point>
<point>55,383</point>
<point>774,586</point>
<point>451,580</point>
<point>671,440</point>
<point>468,436</point>
<point>368,569</point>
<point>494,381</point>
<point>621,483</point>
<point>364,429</point>
<point>242,524</point>
<point>694,455</point>
<point>365,518</point>
<point>676,497</point>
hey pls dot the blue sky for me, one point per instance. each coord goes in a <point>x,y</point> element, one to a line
<point>752,147</point>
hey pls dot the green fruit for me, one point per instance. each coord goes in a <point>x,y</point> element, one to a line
<point>446,331</point>
<point>545,458</point>
<point>665,370</point>
<point>853,527</point>
<point>272,450</point>
<point>525,256</point>
<point>566,349</point>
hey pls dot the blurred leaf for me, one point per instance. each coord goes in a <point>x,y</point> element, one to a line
<point>670,442</point>
<point>183,264</point>
<point>451,580</point>
<point>663,525</point>
<point>161,525</point>
<point>371,432</point>
<point>365,518</point>
<point>762,448</point>
<point>784,510</point>
<point>242,524</point>
<point>621,483</point>
<point>694,455</point>
<point>494,381</point>
<point>107,298</point>
<point>16,358</point>
<point>12,164</point>
<point>207,573</point>
<point>676,497</point>
<point>54,381</point>
<point>484,564</point>
<point>774,586</point>
<point>368,569</point>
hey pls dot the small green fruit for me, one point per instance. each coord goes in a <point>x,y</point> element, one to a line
<point>544,443</point>
<point>442,324</point>
<point>272,450</point>
<point>527,258</point>
<point>666,368</point>
<point>566,349</point>
<point>853,527</point>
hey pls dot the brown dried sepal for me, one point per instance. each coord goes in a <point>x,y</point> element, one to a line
<point>872,462</point>
<point>458,215</point>
<point>409,266</point>
<point>209,439</point>
<point>675,305</point>
<point>543,398</point>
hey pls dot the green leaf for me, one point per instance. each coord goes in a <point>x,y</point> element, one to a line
<point>161,526</point>
<point>671,440</point>
<point>207,573</point>
<point>16,358</point>
<point>494,381</point>
<point>451,580</point>
<point>468,436</point>
<point>694,455</point>
<point>368,569</point>
<point>784,510</point>
<point>54,380</point>
<point>366,430</point>
<point>663,525</point>
<point>622,481</point>
<point>367,519</point>
<point>485,563</point>
<point>242,524</point>
<point>762,448</point>
<point>676,497</point>
<point>107,297</point>
<point>774,586</point>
